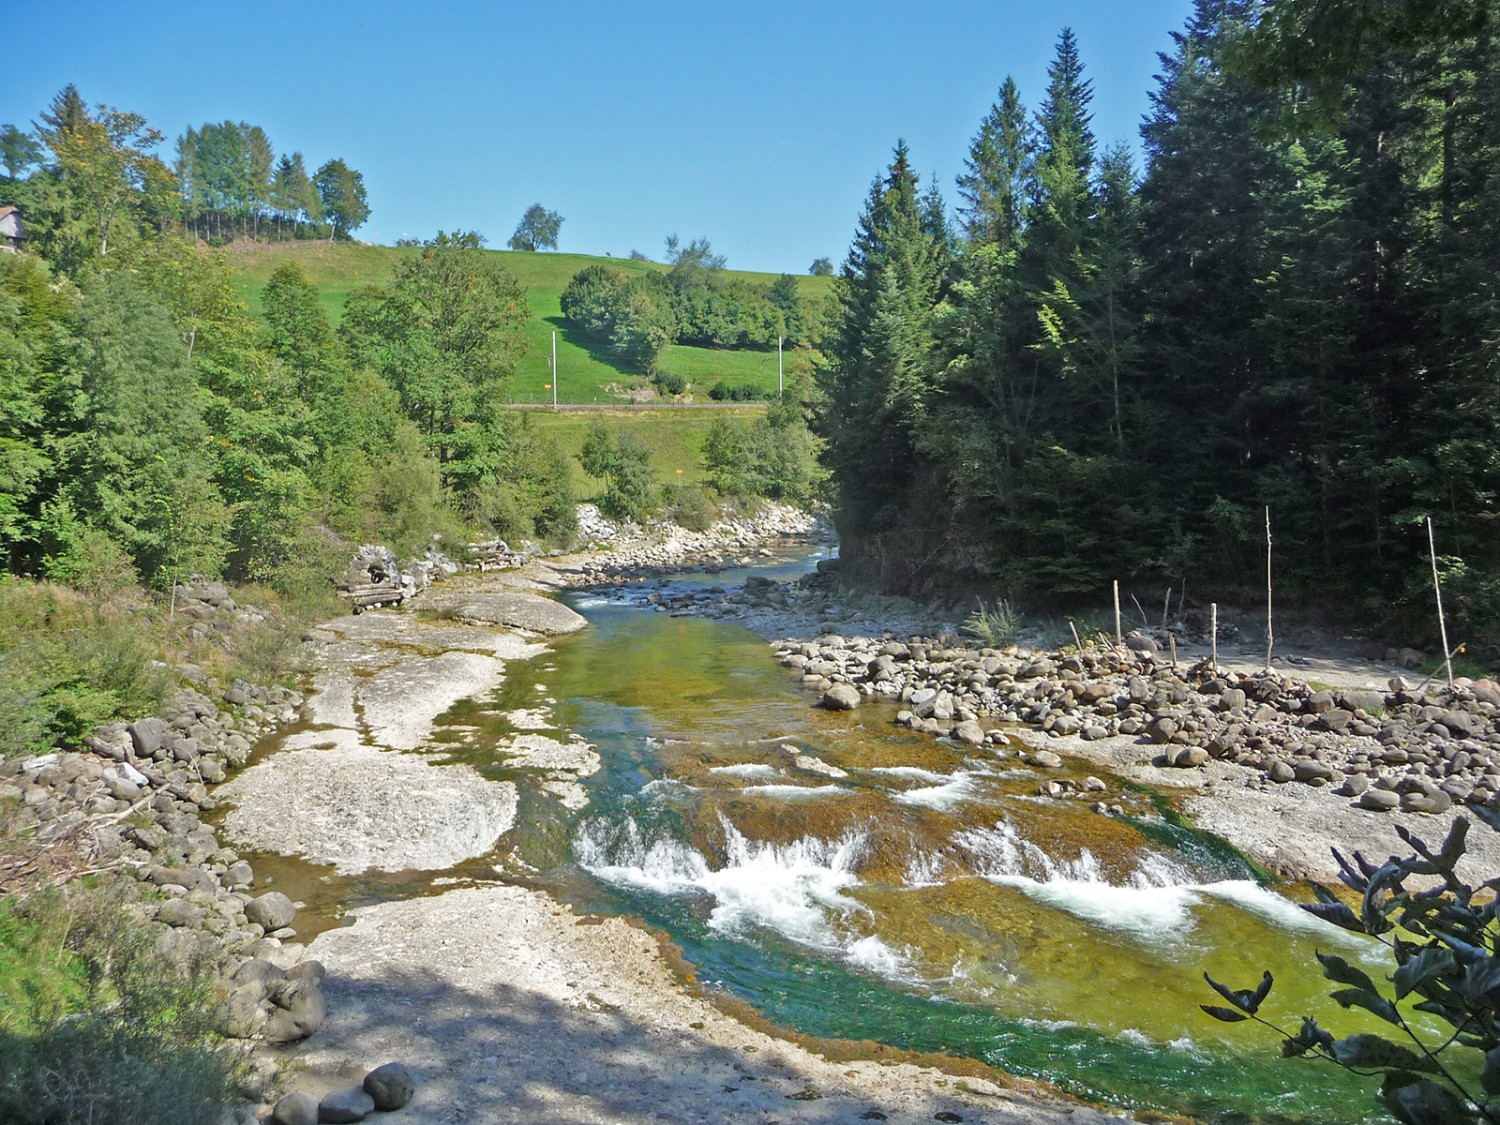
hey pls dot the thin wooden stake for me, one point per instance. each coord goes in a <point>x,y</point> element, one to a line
<point>1270,634</point>
<point>1213,613</point>
<point>1119,639</point>
<point>1437,591</point>
<point>1166,608</point>
<point>1172,641</point>
<point>1076,642</point>
<point>1145,623</point>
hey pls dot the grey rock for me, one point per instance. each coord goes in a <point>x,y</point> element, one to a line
<point>271,911</point>
<point>1280,772</point>
<point>295,1109</point>
<point>300,1010</point>
<point>1046,759</point>
<point>341,1106</point>
<point>531,612</point>
<point>970,733</point>
<point>1310,769</point>
<point>1353,785</point>
<point>242,1012</point>
<point>390,1086</point>
<point>841,697</point>
<point>1185,757</point>
<point>1378,800</point>
<point>148,734</point>
<point>1139,642</point>
<point>178,913</point>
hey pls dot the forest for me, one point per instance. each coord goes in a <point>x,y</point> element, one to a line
<point>1088,371</point>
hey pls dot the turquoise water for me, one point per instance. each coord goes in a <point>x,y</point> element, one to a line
<point>852,880</point>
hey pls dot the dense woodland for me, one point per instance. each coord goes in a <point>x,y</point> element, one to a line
<point>1096,372</point>
<point>151,428</point>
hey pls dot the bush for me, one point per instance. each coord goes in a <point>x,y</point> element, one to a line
<point>691,508</point>
<point>737,392</point>
<point>1451,966</point>
<point>669,384</point>
<point>995,624</point>
<point>110,1031</point>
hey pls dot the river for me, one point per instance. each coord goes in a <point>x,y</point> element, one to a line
<point>853,880</point>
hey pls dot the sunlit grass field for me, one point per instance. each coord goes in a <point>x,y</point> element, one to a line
<point>588,372</point>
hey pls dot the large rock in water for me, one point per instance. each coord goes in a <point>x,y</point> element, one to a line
<point>841,697</point>
<point>530,612</point>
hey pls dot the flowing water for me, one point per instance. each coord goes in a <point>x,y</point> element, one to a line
<point>852,880</point>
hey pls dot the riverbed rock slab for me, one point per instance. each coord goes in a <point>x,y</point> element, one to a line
<point>400,703</point>
<point>358,807</point>
<point>507,1008</point>
<point>528,612</point>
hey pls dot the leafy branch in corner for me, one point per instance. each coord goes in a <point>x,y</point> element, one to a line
<point>1444,945</point>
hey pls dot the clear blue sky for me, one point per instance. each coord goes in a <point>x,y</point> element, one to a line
<point>759,126</point>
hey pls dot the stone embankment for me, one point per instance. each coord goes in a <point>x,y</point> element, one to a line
<point>618,551</point>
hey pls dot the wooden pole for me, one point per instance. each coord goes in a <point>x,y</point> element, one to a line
<point>1213,615</point>
<point>554,371</point>
<point>1118,637</point>
<point>1270,635</point>
<point>1076,642</point>
<point>780,385</point>
<point>1172,643</point>
<point>1437,591</point>
<point>1166,608</point>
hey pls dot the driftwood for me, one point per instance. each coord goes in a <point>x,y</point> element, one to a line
<point>365,595</point>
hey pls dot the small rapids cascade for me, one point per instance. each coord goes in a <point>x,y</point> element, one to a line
<point>853,879</point>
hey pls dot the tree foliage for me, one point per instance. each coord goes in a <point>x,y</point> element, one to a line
<point>537,229</point>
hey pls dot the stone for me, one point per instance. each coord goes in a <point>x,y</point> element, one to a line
<point>148,734</point>
<point>1280,772</point>
<point>178,913</point>
<point>271,911</point>
<point>1045,759</point>
<point>969,733</point>
<point>1161,729</point>
<point>1378,800</point>
<point>1353,785</point>
<point>1432,803</point>
<point>242,1012</point>
<point>841,697</point>
<point>1310,769</point>
<point>1139,642</point>
<point>341,1106</point>
<point>295,1109</point>
<point>300,1009</point>
<point>390,1086</point>
<point>1185,757</point>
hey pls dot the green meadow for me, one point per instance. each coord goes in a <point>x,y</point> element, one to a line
<point>588,371</point>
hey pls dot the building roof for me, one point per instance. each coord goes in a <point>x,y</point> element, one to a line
<point>4,211</point>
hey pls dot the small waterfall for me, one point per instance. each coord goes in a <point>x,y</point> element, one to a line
<point>794,889</point>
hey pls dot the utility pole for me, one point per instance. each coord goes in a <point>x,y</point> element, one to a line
<point>780,393</point>
<point>554,370</point>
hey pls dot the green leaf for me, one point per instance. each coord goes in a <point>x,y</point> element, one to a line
<point>1340,971</point>
<point>1375,1053</point>
<point>1227,1015</point>
<point>1308,1038</point>
<point>1245,1001</point>
<point>1430,963</point>
<point>1336,912</point>
<point>1481,983</point>
<point>1370,1001</point>
<point>1490,1076</point>
<point>1423,1103</point>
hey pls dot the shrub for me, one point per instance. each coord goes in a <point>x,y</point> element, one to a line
<point>669,384</point>
<point>1444,942</point>
<point>691,508</point>
<point>112,1032</point>
<point>995,624</point>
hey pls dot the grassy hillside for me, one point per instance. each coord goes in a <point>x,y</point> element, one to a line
<point>588,371</point>
<point>674,437</point>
